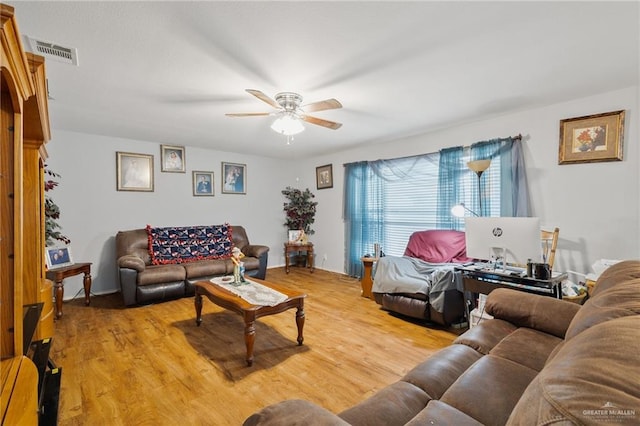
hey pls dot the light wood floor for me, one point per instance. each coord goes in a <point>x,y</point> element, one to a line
<point>151,365</point>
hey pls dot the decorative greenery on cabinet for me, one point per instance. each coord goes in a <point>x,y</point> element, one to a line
<point>300,210</point>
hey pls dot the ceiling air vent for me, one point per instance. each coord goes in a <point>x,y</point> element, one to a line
<point>68,55</point>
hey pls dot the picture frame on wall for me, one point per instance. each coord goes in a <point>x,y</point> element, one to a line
<point>592,138</point>
<point>324,176</point>
<point>202,184</point>
<point>134,172</point>
<point>58,257</point>
<point>172,158</point>
<point>234,178</point>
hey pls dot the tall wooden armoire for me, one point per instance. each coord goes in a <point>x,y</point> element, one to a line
<point>24,131</point>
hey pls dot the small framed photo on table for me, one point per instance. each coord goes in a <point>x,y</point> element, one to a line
<point>58,257</point>
<point>324,177</point>
<point>294,235</point>
<point>172,158</point>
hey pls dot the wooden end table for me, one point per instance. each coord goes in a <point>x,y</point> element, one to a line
<point>59,274</point>
<point>366,282</point>
<point>249,312</point>
<point>297,248</point>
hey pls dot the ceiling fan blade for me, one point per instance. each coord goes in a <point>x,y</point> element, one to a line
<point>264,98</point>
<point>248,114</point>
<point>322,105</point>
<point>321,122</point>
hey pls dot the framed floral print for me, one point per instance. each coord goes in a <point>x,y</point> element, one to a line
<point>324,177</point>
<point>592,138</point>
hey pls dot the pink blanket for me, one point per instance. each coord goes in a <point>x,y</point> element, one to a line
<point>438,246</point>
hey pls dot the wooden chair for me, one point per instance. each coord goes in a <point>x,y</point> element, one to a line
<point>549,245</point>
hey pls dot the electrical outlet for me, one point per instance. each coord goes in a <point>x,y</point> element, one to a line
<point>324,258</point>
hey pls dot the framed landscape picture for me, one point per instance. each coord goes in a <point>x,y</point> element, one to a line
<point>202,184</point>
<point>134,172</point>
<point>58,257</point>
<point>324,177</point>
<point>592,138</point>
<point>172,158</point>
<point>234,178</point>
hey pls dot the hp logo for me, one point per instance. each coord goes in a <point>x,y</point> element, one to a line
<point>497,231</point>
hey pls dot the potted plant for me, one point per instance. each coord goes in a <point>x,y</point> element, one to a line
<point>52,212</point>
<point>300,212</point>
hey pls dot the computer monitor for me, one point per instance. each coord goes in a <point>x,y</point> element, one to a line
<point>508,239</point>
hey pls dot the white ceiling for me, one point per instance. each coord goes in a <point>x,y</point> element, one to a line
<point>169,71</point>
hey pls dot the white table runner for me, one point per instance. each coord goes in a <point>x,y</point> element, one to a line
<point>251,291</point>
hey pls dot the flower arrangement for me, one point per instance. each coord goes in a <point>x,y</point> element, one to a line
<point>300,210</point>
<point>52,212</point>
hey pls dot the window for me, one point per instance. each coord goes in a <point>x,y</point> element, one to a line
<point>387,200</point>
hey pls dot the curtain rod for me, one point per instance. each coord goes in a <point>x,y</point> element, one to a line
<point>518,137</point>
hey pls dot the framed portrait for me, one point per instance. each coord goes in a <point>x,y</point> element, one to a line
<point>172,158</point>
<point>324,177</point>
<point>202,184</point>
<point>234,178</point>
<point>592,138</point>
<point>58,257</point>
<point>294,235</point>
<point>134,172</point>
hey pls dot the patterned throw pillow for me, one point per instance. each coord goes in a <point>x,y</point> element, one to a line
<point>184,244</point>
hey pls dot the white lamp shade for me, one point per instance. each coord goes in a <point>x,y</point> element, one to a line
<point>458,210</point>
<point>287,125</point>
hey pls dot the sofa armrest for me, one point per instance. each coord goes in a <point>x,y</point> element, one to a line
<point>131,261</point>
<point>294,412</point>
<point>522,309</point>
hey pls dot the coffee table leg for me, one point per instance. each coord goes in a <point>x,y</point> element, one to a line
<point>198,305</point>
<point>249,339</point>
<point>300,323</point>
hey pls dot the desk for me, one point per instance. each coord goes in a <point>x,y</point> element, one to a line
<point>485,281</point>
<point>59,274</point>
<point>366,282</point>
<point>290,248</point>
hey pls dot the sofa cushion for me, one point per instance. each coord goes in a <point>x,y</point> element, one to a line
<point>527,347</point>
<point>189,243</point>
<point>439,371</point>
<point>156,274</point>
<point>593,379</point>
<point>395,404</point>
<point>490,389</point>
<point>206,268</point>
<point>542,313</point>
<point>487,334</point>
<point>295,412</point>
<point>438,413</point>
<point>619,272</point>
<point>614,302</point>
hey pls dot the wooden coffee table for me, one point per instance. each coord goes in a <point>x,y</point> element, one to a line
<point>249,312</point>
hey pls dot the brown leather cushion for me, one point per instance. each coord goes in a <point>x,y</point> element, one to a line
<point>156,274</point>
<point>526,346</point>
<point>593,379</point>
<point>486,335</point>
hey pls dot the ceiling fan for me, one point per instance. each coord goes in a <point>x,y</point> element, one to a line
<point>290,112</point>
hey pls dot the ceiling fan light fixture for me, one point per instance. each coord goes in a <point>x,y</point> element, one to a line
<point>287,125</point>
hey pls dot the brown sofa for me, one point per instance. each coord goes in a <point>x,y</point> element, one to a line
<point>142,282</point>
<point>540,361</point>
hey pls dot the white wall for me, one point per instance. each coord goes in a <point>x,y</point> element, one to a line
<point>92,211</point>
<point>595,205</point>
